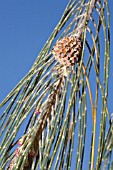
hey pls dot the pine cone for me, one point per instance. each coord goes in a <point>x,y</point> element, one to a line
<point>68,51</point>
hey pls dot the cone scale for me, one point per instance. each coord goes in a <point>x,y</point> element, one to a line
<point>67,51</point>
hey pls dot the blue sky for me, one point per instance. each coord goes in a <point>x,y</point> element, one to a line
<point>25,26</point>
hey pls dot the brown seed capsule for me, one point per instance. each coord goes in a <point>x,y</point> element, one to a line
<point>67,51</point>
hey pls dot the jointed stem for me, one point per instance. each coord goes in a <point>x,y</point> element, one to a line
<point>93,118</point>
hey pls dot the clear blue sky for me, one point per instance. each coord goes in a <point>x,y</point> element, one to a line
<point>25,26</point>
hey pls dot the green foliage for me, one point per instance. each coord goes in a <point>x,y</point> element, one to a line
<point>52,109</point>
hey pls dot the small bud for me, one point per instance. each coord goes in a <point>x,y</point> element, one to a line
<point>37,112</point>
<point>10,166</point>
<point>32,154</point>
<point>20,142</point>
<point>17,152</point>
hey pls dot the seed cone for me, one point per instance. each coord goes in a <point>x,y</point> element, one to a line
<point>68,51</point>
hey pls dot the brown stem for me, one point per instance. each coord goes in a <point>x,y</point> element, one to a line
<point>84,21</point>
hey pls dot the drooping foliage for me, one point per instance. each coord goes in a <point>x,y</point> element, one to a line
<point>45,124</point>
